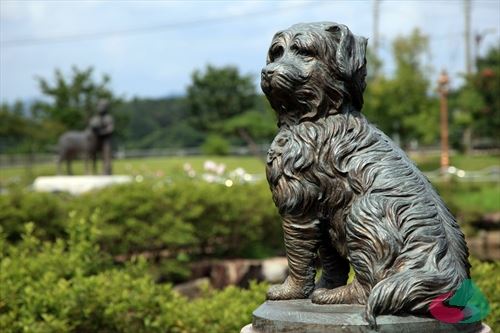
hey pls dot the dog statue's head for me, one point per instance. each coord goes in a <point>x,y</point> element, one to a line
<point>314,70</point>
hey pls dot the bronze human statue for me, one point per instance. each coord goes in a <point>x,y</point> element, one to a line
<point>103,125</point>
<point>346,193</point>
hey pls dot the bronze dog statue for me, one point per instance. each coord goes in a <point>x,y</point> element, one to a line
<point>346,193</point>
<point>73,144</point>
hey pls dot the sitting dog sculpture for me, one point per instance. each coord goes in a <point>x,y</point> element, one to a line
<point>346,193</point>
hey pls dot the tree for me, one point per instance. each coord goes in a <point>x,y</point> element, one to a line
<point>221,100</point>
<point>158,123</point>
<point>13,126</point>
<point>251,126</point>
<point>377,95</point>
<point>487,82</point>
<point>217,94</point>
<point>400,105</point>
<point>72,99</point>
<point>476,105</point>
<point>22,133</point>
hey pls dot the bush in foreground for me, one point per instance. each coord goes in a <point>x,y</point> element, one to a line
<point>69,286</point>
<point>487,277</point>
<point>46,210</point>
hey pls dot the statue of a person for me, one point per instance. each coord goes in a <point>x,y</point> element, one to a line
<point>103,125</point>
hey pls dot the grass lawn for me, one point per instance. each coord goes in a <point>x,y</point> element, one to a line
<point>173,166</point>
<point>159,166</point>
<point>468,201</point>
<point>464,162</point>
<point>482,197</point>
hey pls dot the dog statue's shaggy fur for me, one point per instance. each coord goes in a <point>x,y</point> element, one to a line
<point>346,193</point>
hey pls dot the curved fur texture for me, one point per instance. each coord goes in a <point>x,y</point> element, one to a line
<point>345,191</point>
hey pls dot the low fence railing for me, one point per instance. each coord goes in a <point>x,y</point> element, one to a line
<point>19,160</point>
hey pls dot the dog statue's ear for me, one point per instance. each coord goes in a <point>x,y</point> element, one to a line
<point>350,50</point>
<point>350,61</point>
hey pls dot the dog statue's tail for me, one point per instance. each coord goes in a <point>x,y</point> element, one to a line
<point>409,291</point>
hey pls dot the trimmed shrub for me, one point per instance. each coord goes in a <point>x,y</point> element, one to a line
<point>46,210</point>
<point>190,218</point>
<point>215,145</point>
<point>69,286</point>
<point>186,218</point>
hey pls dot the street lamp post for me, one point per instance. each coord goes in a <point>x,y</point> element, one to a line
<point>443,82</point>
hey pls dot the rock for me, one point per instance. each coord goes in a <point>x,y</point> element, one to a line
<point>490,221</point>
<point>275,270</point>
<point>486,245</point>
<point>192,289</point>
<point>240,271</point>
<point>235,272</point>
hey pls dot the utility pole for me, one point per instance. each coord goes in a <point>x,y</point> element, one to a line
<point>443,82</point>
<point>376,12</point>
<point>376,8</point>
<point>478,38</point>
<point>467,35</point>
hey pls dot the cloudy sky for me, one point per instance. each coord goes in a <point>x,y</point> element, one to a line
<point>150,48</point>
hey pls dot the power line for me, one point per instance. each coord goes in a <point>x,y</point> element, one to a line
<point>467,15</point>
<point>29,41</point>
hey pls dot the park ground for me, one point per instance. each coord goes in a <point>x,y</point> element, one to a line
<point>484,196</point>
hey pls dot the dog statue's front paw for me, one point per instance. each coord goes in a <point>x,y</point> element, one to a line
<point>322,296</point>
<point>288,290</point>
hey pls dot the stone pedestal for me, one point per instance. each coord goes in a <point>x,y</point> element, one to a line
<point>301,316</point>
<point>76,184</point>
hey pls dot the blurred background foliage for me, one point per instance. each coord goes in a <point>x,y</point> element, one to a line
<point>223,101</point>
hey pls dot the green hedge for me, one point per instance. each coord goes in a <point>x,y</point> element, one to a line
<point>190,217</point>
<point>69,286</point>
<point>207,219</point>
<point>46,210</point>
<point>186,218</point>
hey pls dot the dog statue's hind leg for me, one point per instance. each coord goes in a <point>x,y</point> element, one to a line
<point>372,247</point>
<point>355,292</point>
<point>335,269</point>
<point>302,241</point>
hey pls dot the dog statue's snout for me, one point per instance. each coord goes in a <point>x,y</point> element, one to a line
<point>266,73</point>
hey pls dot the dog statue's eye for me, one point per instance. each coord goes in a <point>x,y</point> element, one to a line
<point>276,52</point>
<point>306,52</point>
<point>303,51</point>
